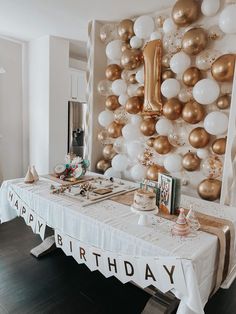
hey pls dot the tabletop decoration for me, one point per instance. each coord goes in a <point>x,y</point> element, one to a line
<point>192,219</point>
<point>29,178</point>
<point>181,227</point>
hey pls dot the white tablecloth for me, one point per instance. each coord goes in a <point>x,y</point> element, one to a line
<point>113,227</point>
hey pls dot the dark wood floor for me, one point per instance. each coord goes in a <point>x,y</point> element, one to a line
<point>56,284</point>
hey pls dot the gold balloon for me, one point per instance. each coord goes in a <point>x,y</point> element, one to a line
<point>102,135</point>
<point>172,109</point>
<point>194,41</point>
<point>132,79</point>
<point>165,61</point>
<point>199,137</point>
<point>108,152</point>
<point>223,68</point>
<point>134,105</point>
<point>140,91</point>
<point>160,20</point>
<point>153,172</point>
<point>191,76</point>
<point>114,129</point>
<point>103,165</point>
<point>193,112</point>
<point>125,29</point>
<point>148,126</point>
<point>167,74</point>
<point>113,72</point>
<point>219,146</point>
<point>223,102</point>
<point>112,102</point>
<point>185,12</point>
<point>191,162</point>
<point>162,145</point>
<point>131,58</point>
<point>125,46</point>
<point>209,189</point>
<point>150,141</point>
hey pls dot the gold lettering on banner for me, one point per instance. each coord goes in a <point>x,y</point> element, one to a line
<point>152,54</point>
<point>170,272</point>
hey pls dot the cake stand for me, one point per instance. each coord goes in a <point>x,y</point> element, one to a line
<point>144,215</point>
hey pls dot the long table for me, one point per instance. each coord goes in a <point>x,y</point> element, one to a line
<point>112,227</point>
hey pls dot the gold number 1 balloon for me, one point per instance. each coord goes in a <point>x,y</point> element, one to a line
<point>152,55</point>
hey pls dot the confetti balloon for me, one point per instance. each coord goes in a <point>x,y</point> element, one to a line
<point>104,88</point>
<point>212,167</point>
<point>178,136</point>
<point>121,116</point>
<point>172,42</point>
<point>108,32</point>
<point>205,59</point>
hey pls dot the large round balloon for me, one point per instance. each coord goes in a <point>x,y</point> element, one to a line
<point>191,76</point>
<point>103,164</point>
<point>169,26</point>
<point>212,167</point>
<point>164,127</point>
<point>105,118</point>
<point>153,172</point>
<point>209,189</point>
<point>202,153</point>
<point>219,146</point>
<point>134,105</point>
<point>170,88</point>
<point>173,163</point>
<point>172,109</point>
<point>138,172</point>
<point>147,126</point>
<point>114,129</point>
<point>112,102</point>
<point>112,173</point>
<point>206,58</point>
<point>125,29</point>
<point>144,26</point>
<point>216,123</point>
<point>194,41</point>
<point>199,138</point>
<point>131,132</point>
<point>223,102</point>
<point>185,12</point>
<point>223,68</point>
<point>120,162</point>
<point>180,62</point>
<point>210,7</point>
<point>108,152</point>
<point>191,161</point>
<point>227,19</point>
<point>104,88</point>
<point>162,145</point>
<point>206,91</point>
<point>134,149</point>
<point>131,58</point>
<point>136,42</point>
<point>113,72</point>
<point>113,50</point>
<point>119,145</point>
<point>193,112</point>
<point>119,87</point>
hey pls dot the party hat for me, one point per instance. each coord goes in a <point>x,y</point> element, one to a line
<point>35,174</point>
<point>192,219</point>
<point>181,227</point>
<point>29,178</point>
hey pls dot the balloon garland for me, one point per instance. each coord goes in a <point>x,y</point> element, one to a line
<point>161,83</point>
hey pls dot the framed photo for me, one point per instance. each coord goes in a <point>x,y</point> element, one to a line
<point>165,183</point>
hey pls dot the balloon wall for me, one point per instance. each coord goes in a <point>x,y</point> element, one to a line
<point>188,137</point>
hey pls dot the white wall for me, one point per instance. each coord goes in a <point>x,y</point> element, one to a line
<point>11,152</point>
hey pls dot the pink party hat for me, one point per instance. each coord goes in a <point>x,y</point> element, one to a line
<point>181,227</point>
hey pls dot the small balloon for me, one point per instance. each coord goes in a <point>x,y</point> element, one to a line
<point>202,153</point>
<point>170,88</point>
<point>108,32</point>
<point>132,90</point>
<point>209,189</point>
<point>191,76</point>
<point>194,41</point>
<point>166,60</point>
<point>227,19</point>
<point>180,62</point>
<point>219,146</point>
<point>153,172</point>
<point>112,102</point>
<point>172,42</point>
<point>125,29</point>
<point>193,112</point>
<point>113,50</point>
<point>138,172</point>
<point>185,94</point>
<point>144,26</point>
<point>178,135</point>
<point>201,91</point>
<point>125,46</point>
<point>223,68</point>
<point>156,35</point>
<point>131,132</point>
<point>134,105</point>
<point>216,123</point>
<point>147,127</point>
<point>173,163</point>
<point>136,42</point>
<point>121,116</point>
<point>119,87</point>
<point>134,149</point>
<point>131,58</point>
<point>108,152</point>
<point>102,165</point>
<point>186,12</point>
<point>111,173</point>
<point>164,127</point>
<point>123,99</point>
<point>215,33</point>
<point>191,161</point>
<point>105,118</point>
<point>140,76</point>
<point>162,145</point>
<point>132,79</point>
<point>150,141</point>
<point>167,74</point>
<point>199,138</point>
<point>210,7</point>
<point>114,129</point>
<point>104,88</point>
<point>120,162</point>
<point>212,167</point>
<point>113,72</point>
<point>169,26</point>
<point>205,59</point>
<point>223,102</point>
<point>172,109</point>
<point>119,145</point>
<point>140,91</point>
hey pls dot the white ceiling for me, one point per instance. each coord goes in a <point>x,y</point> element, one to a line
<point>29,19</point>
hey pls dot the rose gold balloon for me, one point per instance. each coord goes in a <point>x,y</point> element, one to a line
<point>193,112</point>
<point>134,105</point>
<point>113,72</point>
<point>148,126</point>
<point>114,129</point>
<point>166,61</point>
<point>153,172</point>
<point>160,20</point>
<point>167,74</point>
<point>131,58</point>
<point>172,109</point>
<point>125,29</point>
<point>191,76</point>
<point>140,91</point>
<point>199,138</point>
<point>108,152</point>
<point>185,12</point>
<point>112,102</point>
<point>150,141</point>
<point>132,79</point>
<point>103,165</point>
<point>194,41</point>
<point>209,189</point>
<point>162,145</point>
<point>191,162</point>
<point>223,68</point>
<point>223,102</point>
<point>219,146</point>
<point>125,46</point>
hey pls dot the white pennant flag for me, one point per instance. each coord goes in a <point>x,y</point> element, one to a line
<point>40,227</point>
<point>31,221</point>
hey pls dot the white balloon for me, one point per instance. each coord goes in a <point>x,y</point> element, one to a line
<point>138,172</point>
<point>136,42</point>
<point>134,149</point>
<point>170,88</point>
<point>119,87</point>
<point>202,153</point>
<point>136,119</point>
<point>180,62</point>
<point>105,118</point>
<point>164,127</point>
<point>144,26</point>
<point>227,19</point>
<point>120,162</point>
<point>173,163</point>
<point>140,76</point>
<point>210,7</point>
<point>112,173</point>
<point>131,132</point>
<point>206,91</point>
<point>216,123</point>
<point>169,26</point>
<point>132,90</point>
<point>123,99</point>
<point>119,145</point>
<point>113,49</point>
<point>156,35</point>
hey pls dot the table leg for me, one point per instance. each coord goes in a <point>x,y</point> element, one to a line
<point>47,246</point>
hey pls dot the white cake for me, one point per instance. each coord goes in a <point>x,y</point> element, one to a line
<point>144,200</point>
